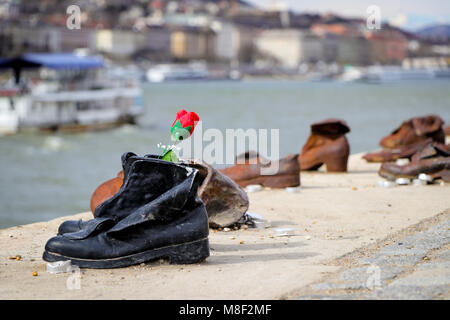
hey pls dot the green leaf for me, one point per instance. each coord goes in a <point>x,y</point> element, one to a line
<point>170,156</point>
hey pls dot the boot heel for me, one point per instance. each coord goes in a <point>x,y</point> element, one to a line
<point>283,181</point>
<point>337,164</point>
<point>188,253</point>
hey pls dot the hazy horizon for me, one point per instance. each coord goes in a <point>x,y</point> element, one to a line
<point>411,15</point>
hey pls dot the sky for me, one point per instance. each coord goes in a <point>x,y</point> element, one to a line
<point>409,14</point>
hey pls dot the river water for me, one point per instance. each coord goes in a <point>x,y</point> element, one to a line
<point>44,176</point>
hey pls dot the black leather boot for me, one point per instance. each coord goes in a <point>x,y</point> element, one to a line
<point>224,200</point>
<point>156,214</point>
<point>76,225</point>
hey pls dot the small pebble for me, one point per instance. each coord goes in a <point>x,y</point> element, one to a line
<point>402,162</point>
<point>292,189</point>
<point>418,182</point>
<point>354,188</point>
<point>245,227</point>
<point>284,232</point>
<point>426,258</point>
<point>34,274</point>
<point>232,238</point>
<point>425,177</point>
<point>308,238</point>
<point>402,181</point>
<point>253,188</point>
<point>241,241</point>
<point>226,229</point>
<point>18,258</point>
<point>261,224</point>
<point>386,184</point>
<point>236,228</point>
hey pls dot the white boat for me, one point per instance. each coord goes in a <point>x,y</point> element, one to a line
<point>171,72</point>
<point>379,74</point>
<point>351,74</point>
<point>64,92</point>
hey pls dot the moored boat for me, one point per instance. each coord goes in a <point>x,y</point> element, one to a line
<point>64,92</point>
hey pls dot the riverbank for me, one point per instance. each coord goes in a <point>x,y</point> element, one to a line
<point>54,175</point>
<point>333,215</point>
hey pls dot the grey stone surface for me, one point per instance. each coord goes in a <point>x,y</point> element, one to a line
<point>434,265</point>
<point>363,273</point>
<point>392,260</point>
<point>444,255</point>
<point>340,286</point>
<point>329,297</point>
<point>402,292</point>
<point>406,270</point>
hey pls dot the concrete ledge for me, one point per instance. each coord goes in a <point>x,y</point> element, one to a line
<point>333,215</point>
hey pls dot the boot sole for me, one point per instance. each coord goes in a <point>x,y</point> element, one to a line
<point>392,177</point>
<point>185,253</point>
<point>276,181</point>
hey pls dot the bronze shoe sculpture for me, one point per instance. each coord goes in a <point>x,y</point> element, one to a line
<point>405,152</point>
<point>327,145</point>
<point>415,130</point>
<point>443,174</point>
<point>225,201</point>
<point>447,131</point>
<point>106,190</point>
<point>250,166</point>
<point>434,158</point>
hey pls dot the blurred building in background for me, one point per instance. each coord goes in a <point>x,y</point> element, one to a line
<point>228,32</point>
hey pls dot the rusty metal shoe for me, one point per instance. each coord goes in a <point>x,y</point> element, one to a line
<point>224,200</point>
<point>405,152</point>
<point>443,175</point>
<point>431,159</point>
<point>415,130</point>
<point>106,190</point>
<point>447,131</point>
<point>250,169</point>
<point>327,145</point>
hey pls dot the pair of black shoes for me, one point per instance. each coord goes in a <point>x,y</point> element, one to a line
<point>156,214</point>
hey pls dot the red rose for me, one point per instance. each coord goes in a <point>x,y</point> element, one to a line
<point>184,125</point>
